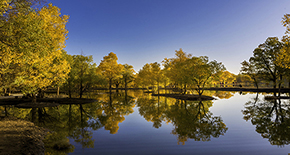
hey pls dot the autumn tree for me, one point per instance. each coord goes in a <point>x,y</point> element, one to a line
<point>227,78</point>
<point>165,80</point>
<point>36,38</point>
<point>156,74</point>
<point>110,68</point>
<point>283,59</point>
<point>189,71</point>
<point>127,75</point>
<point>7,68</point>
<point>144,75</point>
<point>201,71</point>
<point>174,68</point>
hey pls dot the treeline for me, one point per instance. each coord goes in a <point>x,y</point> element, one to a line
<point>183,72</point>
<point>32,60</point>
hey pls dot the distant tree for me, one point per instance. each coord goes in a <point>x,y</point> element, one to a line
<point>165,80</point>
<point>227,77</point>
<point>175,69</point>
<point>156,74</point>
<point>144,75</point>
<point>127,75</point>
<point>202,71</point>
<point>249,69</point>
<point>110,68</point>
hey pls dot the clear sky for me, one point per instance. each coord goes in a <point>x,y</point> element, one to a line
<point>146,31</point>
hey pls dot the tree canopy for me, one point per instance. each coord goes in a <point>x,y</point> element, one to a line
<point>31,46</point>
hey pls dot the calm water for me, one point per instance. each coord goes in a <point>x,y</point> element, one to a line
<point>137,123</point>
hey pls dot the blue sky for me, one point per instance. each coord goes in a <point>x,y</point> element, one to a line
<point>146,31</point>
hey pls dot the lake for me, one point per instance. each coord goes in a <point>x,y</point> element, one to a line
<point>138,123</point>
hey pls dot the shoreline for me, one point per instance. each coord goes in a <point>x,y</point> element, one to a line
<point>266,90</point>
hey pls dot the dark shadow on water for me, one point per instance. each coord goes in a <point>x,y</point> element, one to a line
<point>271,118</point>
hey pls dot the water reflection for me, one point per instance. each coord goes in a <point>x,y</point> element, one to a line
<point>64,122</point>
<point>115,107</point>
<point>271,118</point>
<point>223,94</point>
<point>191,119</point>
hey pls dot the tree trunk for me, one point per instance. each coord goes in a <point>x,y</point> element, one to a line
<point>81,88</point>
<point>34,98</point>
<point>69,89</point>
<point>275,83</point>
<point>281,77</point>
<point>117,87</point>
<point>184,89</point>
<point>6,113</point>
<point>256,83</point>
<point>57,93</point>
<point>125,84</point>
<point>110,85</point>
<point>158,87</point>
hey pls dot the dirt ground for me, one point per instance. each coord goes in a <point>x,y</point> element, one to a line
<point>20,137</point>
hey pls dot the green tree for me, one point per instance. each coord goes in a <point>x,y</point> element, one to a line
<point>201,71</point>
<point>250,69</point>
<point>264,59</point>
<point>83,75</point>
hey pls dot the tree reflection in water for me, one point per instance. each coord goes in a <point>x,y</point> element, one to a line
<point>115,106</point>
<point>271,118</point>
<point>191,119</point>
<point>77,121</point>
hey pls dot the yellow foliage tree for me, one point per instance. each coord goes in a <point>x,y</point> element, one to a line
<point>31,48</point>
<point>128,74</point>
<point>283,59</point>
<point>110,68</point>
<point>174,68</point>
